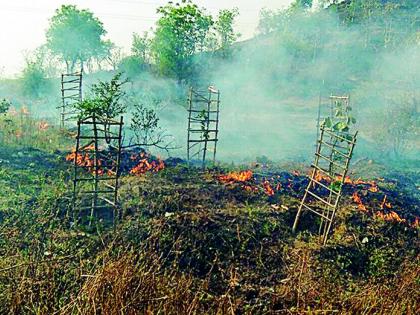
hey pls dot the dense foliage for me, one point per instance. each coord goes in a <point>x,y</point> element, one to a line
<point>181,33</point>
<point>105,99</point>
<point>76,35</point>
<point>34,81</point>
<point>4,106</point>
<point>224,28</point>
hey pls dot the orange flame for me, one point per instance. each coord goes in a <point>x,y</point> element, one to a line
<point>268,190</point>
<point>373,188</point>
<point>385,204</point>
<point>416,223</point>
<point>84,159</point>
<point>43,125</point>
<point>250,188</point>
<point>111,172</point>
<point>244,177</point>
<point>347,180</point>
<point>390,217</point>
<point>359,181</point>
<point>356,198</point>
<point>320,176</point>
<point>24,110</point>
<point>144,166</point>
<point>233,177</point>
<point>135,156</point>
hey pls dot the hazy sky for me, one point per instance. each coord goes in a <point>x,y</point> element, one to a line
<point>23,22</point>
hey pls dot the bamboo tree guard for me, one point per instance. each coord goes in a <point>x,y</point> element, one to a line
<point>332,158</point>
<point>97,166</point>
<point>203,125</point>
<point>334,100</point>
<point>71,93</point>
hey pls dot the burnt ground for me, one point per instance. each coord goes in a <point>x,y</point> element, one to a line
<point>30,159</point>
<point>402,189</point>
<point>190,243</point>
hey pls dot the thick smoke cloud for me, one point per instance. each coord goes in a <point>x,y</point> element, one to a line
<point>272,84</point>
<point>271,87</point>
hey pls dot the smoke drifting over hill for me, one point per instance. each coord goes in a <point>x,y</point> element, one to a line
<point>272,84</point>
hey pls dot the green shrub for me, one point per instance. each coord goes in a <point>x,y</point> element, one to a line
<point>105,99</point>
<point>132,66</point>
<point>4,106</point>
<point>34,82</point>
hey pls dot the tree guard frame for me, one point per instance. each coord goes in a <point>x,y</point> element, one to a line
<point>95,184</point>
<point>332,159</point>
<point>71,93</point>
<point>203,125</point>
<point>333,102</point>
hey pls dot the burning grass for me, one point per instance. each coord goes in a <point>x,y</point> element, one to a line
<point>203,242</point>
<point>248,181</point>
<point>190,244</point>
<point>146,163</point>
<point>133,161</point>
<point>18,128</point>
<point>275,184</point>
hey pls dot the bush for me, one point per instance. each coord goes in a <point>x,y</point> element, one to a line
<point>34,82</point>
<point>105,99</point>
<point>132,66</point>
<point>4,106</point>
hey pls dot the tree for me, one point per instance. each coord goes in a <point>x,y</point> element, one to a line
<point>180,34</point>
<point>141,47</point>
<point>301,4</point>
<point>115,56</point>
<point>134,64</point>
<point>76,36</point>
<point>44,59</point>
<point>33,81</point>
<point>103,56</point>
<point>385,23</point>
<point>105,99</point>
<point>131,66</point>
<point>224,28</point>
<point>270,20</point>
<point>146,128</point>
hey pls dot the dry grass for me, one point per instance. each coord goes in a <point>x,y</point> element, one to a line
<point>191,246</point>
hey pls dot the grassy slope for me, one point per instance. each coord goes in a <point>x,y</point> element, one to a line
<point>188,244</point>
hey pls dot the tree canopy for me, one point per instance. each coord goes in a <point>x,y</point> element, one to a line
<point>184,35</point>
<point>181,32</point>
<point>105,99</point>
<point>224,28</point>
<point>76,36</point>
